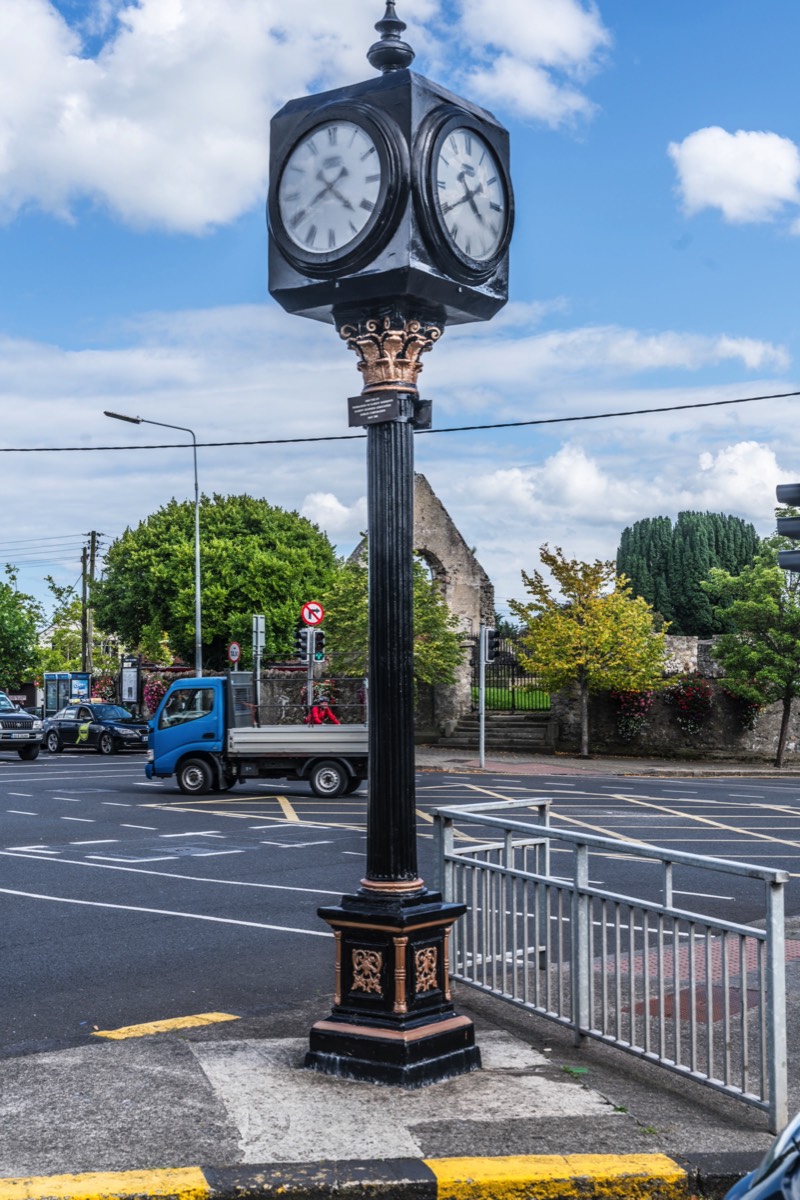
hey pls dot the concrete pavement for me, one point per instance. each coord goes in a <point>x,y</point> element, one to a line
<point>223,1108</point>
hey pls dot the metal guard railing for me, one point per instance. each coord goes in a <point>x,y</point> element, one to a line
<point>701,996</point>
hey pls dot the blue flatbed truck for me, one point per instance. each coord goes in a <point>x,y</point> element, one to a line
<point>204,736</point>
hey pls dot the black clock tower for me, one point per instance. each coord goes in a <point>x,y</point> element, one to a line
<point>390,214</point>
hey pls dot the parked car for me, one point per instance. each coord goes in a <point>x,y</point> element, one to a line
<point>106,728</point>
<point>778,1175</point>
<point>18,730</point>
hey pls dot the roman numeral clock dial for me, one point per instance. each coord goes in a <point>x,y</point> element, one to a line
<point>470,195</point>
<point>329,188</point>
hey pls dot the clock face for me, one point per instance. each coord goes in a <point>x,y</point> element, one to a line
<point>329,188</point>
<point>470,194</point>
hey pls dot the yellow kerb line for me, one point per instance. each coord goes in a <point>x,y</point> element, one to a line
<point>184,1183</point>
<point>555,1177</point>
<point>132,1031</point>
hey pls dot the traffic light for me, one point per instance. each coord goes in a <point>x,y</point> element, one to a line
<point>492,644</point>
<point>319,645</point>
<point>789,493</point>
<point>301,643</point>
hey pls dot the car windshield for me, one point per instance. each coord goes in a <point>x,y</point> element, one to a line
<point>111,712</point>
<point>6,705</point>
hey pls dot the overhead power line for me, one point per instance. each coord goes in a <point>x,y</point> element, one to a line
<point>352,437</point>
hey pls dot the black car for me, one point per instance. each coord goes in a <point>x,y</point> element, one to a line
<point>106,728</point>
<point>778,1176</point>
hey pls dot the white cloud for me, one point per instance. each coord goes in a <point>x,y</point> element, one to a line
<point>747,175</point>
<point>253,373</point>
<point>324,509</point>
<point>167,125</point>
<point>607,350</point>
<point>542,47</point>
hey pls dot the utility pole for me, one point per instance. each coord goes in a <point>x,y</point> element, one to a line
<point>87,602</point>
<point>84,609</point>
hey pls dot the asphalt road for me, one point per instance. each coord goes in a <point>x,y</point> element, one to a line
<point>124,902</point>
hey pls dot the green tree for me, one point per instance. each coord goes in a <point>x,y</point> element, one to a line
<point>254,558</point>
<point>666,565</point>
<point>596,636</point>
<point>61,647</point>
<point>438,647</point>
<point>761,655</point>
<point>20,617</point>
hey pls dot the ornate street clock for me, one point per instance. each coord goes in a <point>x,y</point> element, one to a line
<point>391,188</point>
<point>390,215</point>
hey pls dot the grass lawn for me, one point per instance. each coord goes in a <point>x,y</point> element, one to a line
<point>522,699</point>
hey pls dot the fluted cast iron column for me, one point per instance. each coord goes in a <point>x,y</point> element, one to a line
<point>391,825</point>
<point>393,1019</point>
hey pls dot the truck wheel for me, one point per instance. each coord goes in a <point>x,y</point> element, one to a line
<point>194,777</point>
<point>327,779</point>
<point>352,785</point>
<point>28,753</point>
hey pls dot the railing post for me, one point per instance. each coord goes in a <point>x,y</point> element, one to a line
<point>443,843</point>
<point>776,1008</point>
<point>581,965</point>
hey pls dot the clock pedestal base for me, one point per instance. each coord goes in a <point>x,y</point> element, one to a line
<point>393,1020</point>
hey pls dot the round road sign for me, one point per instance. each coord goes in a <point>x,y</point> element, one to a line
<point>234,652</point>
<point>312,613</point>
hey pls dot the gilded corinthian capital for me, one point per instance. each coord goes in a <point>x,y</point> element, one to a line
<point>389,348</point>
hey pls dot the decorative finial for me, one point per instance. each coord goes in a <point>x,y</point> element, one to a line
<point>390,53</point>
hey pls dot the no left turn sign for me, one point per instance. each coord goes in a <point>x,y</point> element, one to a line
<point>312,613</point>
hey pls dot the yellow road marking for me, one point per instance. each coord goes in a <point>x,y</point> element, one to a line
<point>601,829</point>
<point>556,1176</point>
<point>250,816</point>
<point>287,809</point>
<point>423,816</point>
<point>132,1031</point>
<point>184,1183</point>
<point>675,812</point>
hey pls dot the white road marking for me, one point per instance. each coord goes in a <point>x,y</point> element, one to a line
<point>165,912</point>
<point>38,849</point>
<point>115,858</point>
<point>295,845</point>
<point>149,828</point>
<point>201,833</point>
<point>21,812</point>
<point>116,804</point>
<point>707,895</point>
<point>97,842</point>
<point>23,795</point>
<point>16,852</point>
<point>215,853</point>
<point>85,820</point>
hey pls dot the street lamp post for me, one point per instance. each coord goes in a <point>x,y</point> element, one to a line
<point>198,629</point>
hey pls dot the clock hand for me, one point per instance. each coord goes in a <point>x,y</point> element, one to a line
<point>330,186</point>
<point>446,208</point>
<point>345,203</point>
<point>470,195</point>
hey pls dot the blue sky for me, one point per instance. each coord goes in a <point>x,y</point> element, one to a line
<point>657,176</point>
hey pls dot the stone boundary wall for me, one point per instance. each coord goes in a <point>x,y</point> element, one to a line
<point>721,737</point>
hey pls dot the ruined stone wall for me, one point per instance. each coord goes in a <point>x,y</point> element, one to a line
<point>466,588</point>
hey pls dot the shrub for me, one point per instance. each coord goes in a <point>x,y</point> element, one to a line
<point>693,699</point>
<point>633,712</point>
